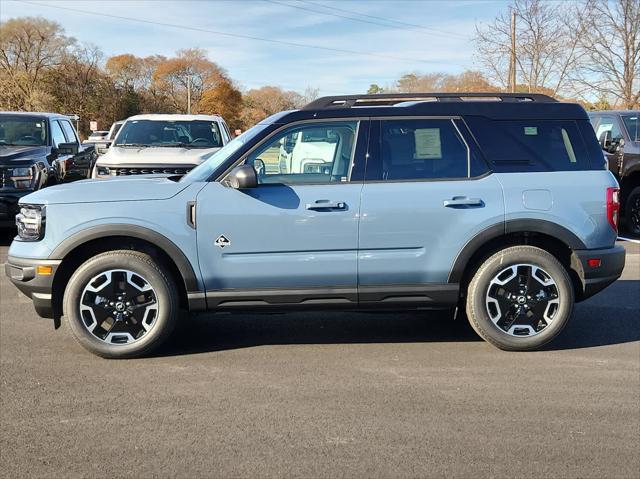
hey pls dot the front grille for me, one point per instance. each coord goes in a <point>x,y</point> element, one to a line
<point>148,171</point>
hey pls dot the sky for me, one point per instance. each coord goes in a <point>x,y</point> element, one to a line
<point>259,42</point>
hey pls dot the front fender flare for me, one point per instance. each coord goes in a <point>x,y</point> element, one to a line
<point>134,231</point>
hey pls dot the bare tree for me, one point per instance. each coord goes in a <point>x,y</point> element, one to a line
<point>546,46</point>
<point>610,42</point>
<point>28,48</point>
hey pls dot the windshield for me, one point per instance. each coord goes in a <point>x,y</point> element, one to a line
<point>163,133</point>
<point>211,164</point>
<point>632,123</point>
<point>23,131</point>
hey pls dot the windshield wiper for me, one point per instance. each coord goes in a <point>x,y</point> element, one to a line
<point>133,145</point>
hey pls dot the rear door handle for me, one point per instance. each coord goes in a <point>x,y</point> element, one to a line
<point>326,205</point>
<point>463,201</point>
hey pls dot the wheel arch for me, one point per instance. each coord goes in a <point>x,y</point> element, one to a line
<point>547,235</point>
<point>76,249</point>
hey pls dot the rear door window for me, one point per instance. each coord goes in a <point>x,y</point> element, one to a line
<point>531,145</point>
<point>56,134</point>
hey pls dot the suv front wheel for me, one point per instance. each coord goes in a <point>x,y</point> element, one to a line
<point>520,298</point>
<point>120,304</point>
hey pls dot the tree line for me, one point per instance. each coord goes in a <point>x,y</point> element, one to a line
<point>43,69</point>
<point>583,50</point>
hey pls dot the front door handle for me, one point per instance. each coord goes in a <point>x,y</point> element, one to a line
<point>327,205</point>
<point>463,201</point>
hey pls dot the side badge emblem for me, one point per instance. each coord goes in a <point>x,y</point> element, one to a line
<point>222,241</point>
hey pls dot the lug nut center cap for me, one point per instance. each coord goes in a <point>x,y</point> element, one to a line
<point>120,306</point>
<point>522,299</point>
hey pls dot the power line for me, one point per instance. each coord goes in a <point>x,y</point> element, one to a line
<point>355,19</point>
<point>413,26</point>
<point>234,35</point>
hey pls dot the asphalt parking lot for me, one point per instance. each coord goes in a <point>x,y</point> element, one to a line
<point>326,395</point>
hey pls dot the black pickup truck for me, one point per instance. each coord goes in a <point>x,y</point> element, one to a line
<point>619,134</point>
<point>38,150</point>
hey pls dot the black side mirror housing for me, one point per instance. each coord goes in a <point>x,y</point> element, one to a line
<point>67,149</point>
<point>243,177</point>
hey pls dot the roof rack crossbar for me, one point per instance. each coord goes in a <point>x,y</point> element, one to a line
<point>388,99</point>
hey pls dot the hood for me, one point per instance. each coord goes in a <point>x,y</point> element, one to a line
<point>21,153</point>
<point>114,189</point>
<point>129,156</point>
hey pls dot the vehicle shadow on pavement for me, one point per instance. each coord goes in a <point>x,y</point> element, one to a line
<point>603,320</point>
<point>210,333</point>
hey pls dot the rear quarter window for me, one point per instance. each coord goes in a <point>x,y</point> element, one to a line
<point>531,145</point>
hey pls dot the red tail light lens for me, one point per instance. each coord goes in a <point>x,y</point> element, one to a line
<point>613,207</point>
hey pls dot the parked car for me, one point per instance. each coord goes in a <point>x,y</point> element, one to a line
<point>103,145</point>
<point>37,150</point>
<point>95,137</point>
<point>500,208</point>
<point>162,144</point>
<point>619,135</point>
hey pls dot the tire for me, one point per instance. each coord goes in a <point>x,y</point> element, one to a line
<point>121,304</point>
<point>632,212</point>
<point>549,288</point>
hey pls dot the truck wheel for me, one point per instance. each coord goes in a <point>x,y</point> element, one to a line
<point>120,304</point>
<point>632,211</point>
<point>520,298</point>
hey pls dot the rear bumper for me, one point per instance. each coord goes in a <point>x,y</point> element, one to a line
<point>23,274</point>
<point>595,279</point>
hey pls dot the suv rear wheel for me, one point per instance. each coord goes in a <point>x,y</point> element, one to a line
<point>520,298</point>
<point>632,211</point>
<point>120,304</point>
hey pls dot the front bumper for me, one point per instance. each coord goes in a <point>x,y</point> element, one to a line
<point>23,273</point>
<point>596,278</point>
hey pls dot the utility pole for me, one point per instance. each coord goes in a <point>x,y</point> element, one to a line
<point>512,59</point>
<point>189,95</point>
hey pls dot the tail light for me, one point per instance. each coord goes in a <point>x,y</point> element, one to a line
<point>613,207</point>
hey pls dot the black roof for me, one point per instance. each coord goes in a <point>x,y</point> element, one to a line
<point>498,106</point>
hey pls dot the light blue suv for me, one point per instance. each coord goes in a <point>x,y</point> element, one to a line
<point>494,204</point>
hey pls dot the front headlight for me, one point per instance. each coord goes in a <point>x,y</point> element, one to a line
<point>102,171</point>
<point>31,222</point>
<point>23,177</point>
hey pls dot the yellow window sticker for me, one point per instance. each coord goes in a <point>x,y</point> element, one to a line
<point>428,145</point>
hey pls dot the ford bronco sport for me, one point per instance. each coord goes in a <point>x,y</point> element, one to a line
<point>497,204</point>
<point>162,144</point>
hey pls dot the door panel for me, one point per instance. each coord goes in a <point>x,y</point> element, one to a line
<point>407,234</point>
<point>274,240</point>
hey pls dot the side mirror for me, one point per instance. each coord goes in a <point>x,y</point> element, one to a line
<point>67,149</point>
<point>243,177</point>
<point>605,140</point>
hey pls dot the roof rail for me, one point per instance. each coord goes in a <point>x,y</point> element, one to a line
<point>390,99</point>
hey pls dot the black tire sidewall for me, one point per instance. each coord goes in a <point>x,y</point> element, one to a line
<point>476,299</point>
<point>140,264</point>
<point>628,208</point>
